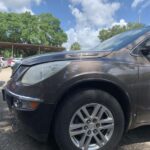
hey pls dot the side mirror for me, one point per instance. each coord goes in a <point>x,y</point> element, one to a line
<point>145,51</point>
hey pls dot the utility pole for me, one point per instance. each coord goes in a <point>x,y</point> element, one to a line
<point>139,19</point>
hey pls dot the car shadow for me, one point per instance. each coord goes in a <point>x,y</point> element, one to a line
<point>138,135</point>
<point>2,83</point>
<point>133,140</point>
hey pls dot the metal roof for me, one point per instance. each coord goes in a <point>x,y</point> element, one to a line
<point>20,46</point>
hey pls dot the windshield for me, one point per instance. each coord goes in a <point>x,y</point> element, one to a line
<point>121,40</point>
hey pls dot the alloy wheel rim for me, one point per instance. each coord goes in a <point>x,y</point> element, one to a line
<point>91,127</point>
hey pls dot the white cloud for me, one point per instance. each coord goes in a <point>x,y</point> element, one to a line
<point>121,23</point>
<point>87,37</point>
<point>24,9</point>
<point>91,16</point>
<point>3,8</point>
<point>142,4</point>
<point>38,2</point>
<point>18,5</point>
<point>146,4</point>
<point>94,13</point>
<point>136,3</point>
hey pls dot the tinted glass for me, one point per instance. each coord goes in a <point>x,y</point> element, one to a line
<point>121,40</point>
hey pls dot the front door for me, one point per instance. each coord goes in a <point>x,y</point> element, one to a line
<point>143,106</point>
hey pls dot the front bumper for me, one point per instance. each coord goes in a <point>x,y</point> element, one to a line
<point>24,98</point>
<point>36,123</point>
<point>12,98</point>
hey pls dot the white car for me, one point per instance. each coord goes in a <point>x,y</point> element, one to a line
<point>3,62</point>
<point>14,61</point>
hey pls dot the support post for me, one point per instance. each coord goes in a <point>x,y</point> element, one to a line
<point>12,51</point>
<point>39,50</point>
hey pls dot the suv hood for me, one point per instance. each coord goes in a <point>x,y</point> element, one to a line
<point>61,56</point>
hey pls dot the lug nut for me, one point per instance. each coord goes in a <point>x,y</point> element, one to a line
<point>94,120</point>
<point>95,131</point>
<point>88,121</point>
<point>89,132</point>
<point>86,127</point>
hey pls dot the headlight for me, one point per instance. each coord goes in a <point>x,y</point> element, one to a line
<point>41,72</point>
<point>25,105</point>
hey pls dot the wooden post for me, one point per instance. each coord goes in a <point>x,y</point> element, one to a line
<point>39,50</point>
<point>12,51</point>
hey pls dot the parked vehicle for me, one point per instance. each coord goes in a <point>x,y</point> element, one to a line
<point>0,67</point>
<point>9,61</point>
<point>3,62</point>
<point>14,61</point>
<point>86,99</point>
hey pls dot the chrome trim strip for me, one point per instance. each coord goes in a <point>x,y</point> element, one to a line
<point>23,98</point>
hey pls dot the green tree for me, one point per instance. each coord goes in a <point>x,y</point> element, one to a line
<point>75,46</point>
<point>43,29</point>
<point>108,33</point>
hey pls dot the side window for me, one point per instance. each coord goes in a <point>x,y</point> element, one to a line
<point>143,48</point>
<point>147,44</point>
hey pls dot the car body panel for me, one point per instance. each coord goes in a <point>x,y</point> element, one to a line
<point>122,68</point>
<point>61,56</point>
<point>143,103</point>
<point>109,68</point>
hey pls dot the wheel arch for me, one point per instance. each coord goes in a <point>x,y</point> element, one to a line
<point>112,88</point>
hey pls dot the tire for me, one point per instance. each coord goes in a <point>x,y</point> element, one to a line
<point>73,105</point>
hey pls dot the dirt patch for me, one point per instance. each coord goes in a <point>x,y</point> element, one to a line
<point>5,74</point>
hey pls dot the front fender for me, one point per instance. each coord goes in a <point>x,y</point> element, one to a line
<point>92,77</point>
<point>87,80</point>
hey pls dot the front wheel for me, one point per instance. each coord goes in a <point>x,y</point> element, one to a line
<point>89,120</point>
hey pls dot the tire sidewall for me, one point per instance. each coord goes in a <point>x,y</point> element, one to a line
<point>75,102</point>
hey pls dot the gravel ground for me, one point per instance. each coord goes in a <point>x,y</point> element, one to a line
<point>5,74</point>
<point>13,138</point>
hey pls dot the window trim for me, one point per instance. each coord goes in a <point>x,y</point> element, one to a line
<point>133,49</point>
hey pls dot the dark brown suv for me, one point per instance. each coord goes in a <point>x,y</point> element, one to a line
<point>86,99</point>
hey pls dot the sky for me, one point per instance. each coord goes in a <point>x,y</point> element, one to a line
<point>83,19</point>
